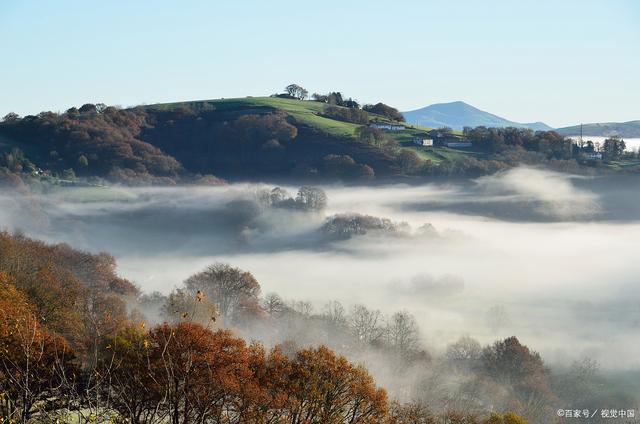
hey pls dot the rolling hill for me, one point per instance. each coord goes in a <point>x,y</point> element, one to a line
<point>459,114</point>
<point>605,129</point>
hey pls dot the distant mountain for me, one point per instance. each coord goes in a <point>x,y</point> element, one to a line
<point>460,114</point>
<point>605,129</point>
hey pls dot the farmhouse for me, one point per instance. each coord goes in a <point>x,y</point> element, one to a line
<point>592,156</point>
<point>386,126</point>
<point>423,141</point>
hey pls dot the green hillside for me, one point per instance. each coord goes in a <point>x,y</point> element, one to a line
<point>305,112</point>
<point>252,138</point>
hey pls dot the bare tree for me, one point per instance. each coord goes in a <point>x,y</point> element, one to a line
<point>335,314</point>
<point>465,352</point>
<point>402,334</point>
<point>366,324</point>
<point>274,305</point>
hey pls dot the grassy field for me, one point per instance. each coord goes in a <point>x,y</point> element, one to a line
<point>439,154</point>
<point>624,165</point>
<point>91,194</point>
<point>303,111</point>
<point>308,112</point>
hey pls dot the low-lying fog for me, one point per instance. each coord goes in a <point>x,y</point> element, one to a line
<point>548,257</point>
<point>632,144</point>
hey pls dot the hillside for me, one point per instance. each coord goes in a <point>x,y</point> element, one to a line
<point>629,129</point>
<point>254,139</point>
<point>203,141</point>
<point>459,114</point>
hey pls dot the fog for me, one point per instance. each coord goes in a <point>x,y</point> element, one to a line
<point>632,144</point>
<point>555,254</point>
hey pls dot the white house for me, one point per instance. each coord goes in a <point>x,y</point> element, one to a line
<point>388,127</point>
<point>422,141</point>
<point>592,156</point>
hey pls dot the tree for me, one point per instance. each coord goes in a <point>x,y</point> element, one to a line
<point>226,286</point>
<point>11,117</point>
<point>374,136</point>
<point>200,375</point>
<point>322,98</point>
<point>465,352</point>
<point>409,161</point>
<point>88,108</point>
<point>613,147</point>
<point>83,161</point>
<point>278,195</point>
<point>33,362</point>
<point>508,418</point>
<point>294,90</point>
<point>385,110</point>
<point>185,305</point>
<point>334,314</point>
<point>69,174</point>
<point>511,364</point>
<point>345,167</point>
<point>335,98</point>
<point>274,305</point>
<point>366,324</point>
<point>134,388</point>
<point>326,388</point>
<point>311,198</point>
<point>410,413</point>
<point>341,113</point>
<point>402,334</point>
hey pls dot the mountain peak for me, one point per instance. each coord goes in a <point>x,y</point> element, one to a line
<point>459,114</point>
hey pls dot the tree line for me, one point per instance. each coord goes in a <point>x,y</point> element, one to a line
<point>76,344</point>
<point>70,351</point>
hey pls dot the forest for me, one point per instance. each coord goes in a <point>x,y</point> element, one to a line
<point>81,344</point>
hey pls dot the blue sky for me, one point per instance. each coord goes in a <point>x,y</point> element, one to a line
<point>561,62</point>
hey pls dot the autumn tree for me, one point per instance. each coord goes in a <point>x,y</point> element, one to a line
<point>229,288</point>
<point>408,161</point>
<point>410,413</point>
<point>508,418</point>
<point>134,390</point>
<point>327,389</point>
<point>32,360</point>
<point>200,375</point>
<point>512,364</point>
<point>384,110</point>
<point>345,167</point>
<point>185,305</point>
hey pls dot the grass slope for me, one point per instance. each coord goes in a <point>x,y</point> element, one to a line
<point>305,112</point>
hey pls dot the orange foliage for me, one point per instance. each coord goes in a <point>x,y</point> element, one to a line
<point>33,362</point>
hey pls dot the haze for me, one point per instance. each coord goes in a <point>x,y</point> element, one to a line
<point>555,254</point>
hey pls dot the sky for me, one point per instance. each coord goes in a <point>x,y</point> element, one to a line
<point>560,62</point>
